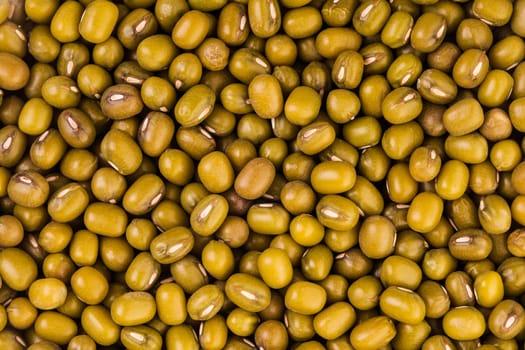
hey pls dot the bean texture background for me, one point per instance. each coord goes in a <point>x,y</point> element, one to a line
<point>262,174</point>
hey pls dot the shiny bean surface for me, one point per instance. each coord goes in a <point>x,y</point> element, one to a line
<point>262,174</point>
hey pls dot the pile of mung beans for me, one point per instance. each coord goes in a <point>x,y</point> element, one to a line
<point>262,174</point>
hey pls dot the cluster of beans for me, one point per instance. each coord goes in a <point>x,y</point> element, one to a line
<point>262,174</point>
